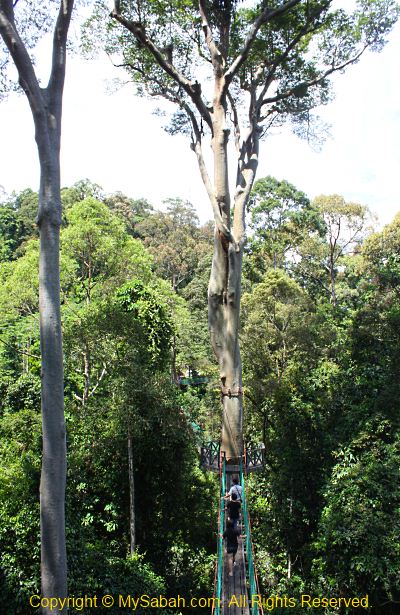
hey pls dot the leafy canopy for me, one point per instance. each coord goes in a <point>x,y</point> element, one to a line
<point>275,59</point>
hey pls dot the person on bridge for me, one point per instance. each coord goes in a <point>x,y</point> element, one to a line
<point>233,508</point>
<point>236,488</point>
<point>231,536</point>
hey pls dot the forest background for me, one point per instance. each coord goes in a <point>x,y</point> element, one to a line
<point>320,341</point>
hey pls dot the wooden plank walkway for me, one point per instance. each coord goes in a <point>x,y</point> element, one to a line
<point>234,599</point>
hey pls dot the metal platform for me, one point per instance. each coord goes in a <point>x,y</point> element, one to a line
<point>210,456</point>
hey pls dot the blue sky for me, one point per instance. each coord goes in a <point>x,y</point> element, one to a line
<point>116,141</point>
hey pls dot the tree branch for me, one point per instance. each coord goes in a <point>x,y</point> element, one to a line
<point>193,90</point>
<point>247,168</point>
<point>267,15</point>
<point>165,92</point>
<point>271,73</point>
<point>315,81</point>
<point>103,373</point>
<point>28,354</point>
<point>26,74</point>
<point>57,75</point>
<point>235,120</point>
<point>310,276</point>
<point>39,98</point>
<point>197,148</point>
<point>196,41</point>
<point>216,56</point>
<point>352,239</point>
<point>7,7</point>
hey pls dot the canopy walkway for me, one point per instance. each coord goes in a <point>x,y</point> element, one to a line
<point>237,594</point>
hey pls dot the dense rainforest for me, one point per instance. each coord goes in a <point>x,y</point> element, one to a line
<point>320,346</point>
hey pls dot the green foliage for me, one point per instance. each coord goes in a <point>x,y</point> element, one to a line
<point>346,222</point>
<point>172,496</point>
<point>176,241</point>
<point>18,221</point>
<point>358,536</point>
<point>11,232</point>
<point>278,330</point>
<point>118,322</point>
<point>193,342</point>
<point>131,211</point>
<point>190,572</point>
<point>281,217</point>
<point>20,284</point>
<point>381,253</point>
<point>146,308</point>
<point>323,259</point>
<point>20,444</point>
<point>80,191</point>
<point>321,390</point>
<point>23,393</point>
<point>116,576</point>
<point>97,241</point>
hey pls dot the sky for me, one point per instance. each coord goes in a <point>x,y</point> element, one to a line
<point>116,141</point>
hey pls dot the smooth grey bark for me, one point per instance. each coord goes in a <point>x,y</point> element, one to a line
<point>46,108</point>
<point>132,515</point>
<point>53,475</point>
<point>224,289</point>
<point>223,310</point>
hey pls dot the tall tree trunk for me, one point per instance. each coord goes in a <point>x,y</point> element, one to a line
<point>53,475</point>
<point>289,566</point>
<point>224,297</point>
<point>289,555</point>
<point>225,280</point>
<point>132,517</point>
<point>223,311</point>
<point>46,108</point>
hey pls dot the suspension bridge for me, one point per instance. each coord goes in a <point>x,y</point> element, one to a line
<point>239,593</point>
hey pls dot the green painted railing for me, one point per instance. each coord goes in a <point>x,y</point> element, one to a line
<point>251,573</point>
<point>220,553</point>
